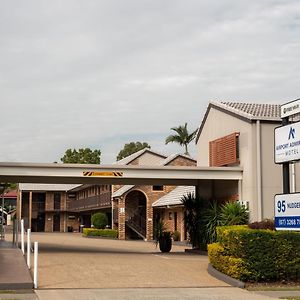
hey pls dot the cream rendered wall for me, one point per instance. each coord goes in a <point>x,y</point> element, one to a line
<point>219,124</point>
<point>149,159</point>
<point>271,173</point>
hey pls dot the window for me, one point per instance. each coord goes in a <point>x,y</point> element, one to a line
<point>224,151</point>
<point>157,187</point>
<point>57,200</point>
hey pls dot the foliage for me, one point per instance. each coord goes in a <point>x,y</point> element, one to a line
<point>99,220</point>
<point>182,136</point>
<point>193,219</point>
<point>159,230</point>
<point>176,235</point>
<point>100,232</point>
<point>264,255</point>
<point>264,224</point>
<point>211,218</point>
<point>131,148</point>
<point>231,266</point>
<point>82,156</point>
<point>233,213</point>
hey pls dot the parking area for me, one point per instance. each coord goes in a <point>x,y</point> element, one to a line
<point>68,260</point>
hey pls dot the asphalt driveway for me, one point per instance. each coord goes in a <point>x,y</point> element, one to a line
<point>68,260</point>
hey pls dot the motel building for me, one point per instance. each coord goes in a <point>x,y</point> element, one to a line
<point>235,162</point>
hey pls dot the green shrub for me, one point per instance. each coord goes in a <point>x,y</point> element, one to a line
<point>176,235</point>
<point>99,220</point>
<point>264,224</point>
<point>100,232</point>
<point>266,255</point>
<point>233,213</point>
<point>231,266</point>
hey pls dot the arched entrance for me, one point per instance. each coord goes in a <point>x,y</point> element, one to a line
<point>135,214</point>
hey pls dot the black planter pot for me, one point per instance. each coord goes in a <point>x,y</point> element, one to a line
<point>165,244</point>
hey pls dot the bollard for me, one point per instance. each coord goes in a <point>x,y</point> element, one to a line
<point>22,237</point>
<point>35,265</point>
<point>28,247</point>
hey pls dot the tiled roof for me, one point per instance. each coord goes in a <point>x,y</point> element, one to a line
<point>130,158</point>
<point>11,194</point>
<point>46,187</point>
<point>256,111</point>
<point>174,156</point>
<point>174,197</point>
<point>247,111</point>
<point>122,190</point>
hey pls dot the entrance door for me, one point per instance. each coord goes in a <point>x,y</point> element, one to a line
<point>56,222</point>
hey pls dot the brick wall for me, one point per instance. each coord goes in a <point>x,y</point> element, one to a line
<point>182,161</point>
<point>49,222</point>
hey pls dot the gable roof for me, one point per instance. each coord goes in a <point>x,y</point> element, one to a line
<point>248,112</point>
<point>171,157</point>
<point>128,159</point>
<point>46,187</point>
<point>122,190</point>
<point>174,197</point>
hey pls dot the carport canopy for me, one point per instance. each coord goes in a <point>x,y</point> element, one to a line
<point>113,174</point>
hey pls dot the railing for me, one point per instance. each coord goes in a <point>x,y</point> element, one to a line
<point>99,201</point>
<point>136,221</point>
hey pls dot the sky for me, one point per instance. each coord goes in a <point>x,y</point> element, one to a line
<point>99,74</point>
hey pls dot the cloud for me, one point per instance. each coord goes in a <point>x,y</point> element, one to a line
<point>102,73</point>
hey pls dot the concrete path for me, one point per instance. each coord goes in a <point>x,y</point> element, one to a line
<point>14,273</point>
<point>227,293</point>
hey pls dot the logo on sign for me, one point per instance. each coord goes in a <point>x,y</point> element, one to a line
<point>292,133</point>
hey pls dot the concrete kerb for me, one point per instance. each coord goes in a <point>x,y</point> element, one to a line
<point>221,276</point>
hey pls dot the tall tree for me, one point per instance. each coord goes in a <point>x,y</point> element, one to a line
<point>182,136</point>
<point>131,148</point>
<point>82,156</point>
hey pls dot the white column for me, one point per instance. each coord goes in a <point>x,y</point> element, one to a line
<point>22,236</point>
<point>28,247</point>
<point>35,265</point>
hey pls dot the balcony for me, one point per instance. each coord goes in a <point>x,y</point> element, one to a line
<point>90,203</point>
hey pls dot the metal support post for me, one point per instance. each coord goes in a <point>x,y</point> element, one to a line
<point>286,167</point>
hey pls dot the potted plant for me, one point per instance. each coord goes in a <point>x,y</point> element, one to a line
<point>163,238</point>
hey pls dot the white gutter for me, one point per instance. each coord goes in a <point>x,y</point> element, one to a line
<point>258,171</point>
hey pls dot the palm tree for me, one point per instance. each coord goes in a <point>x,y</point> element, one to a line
<point>182,136</point>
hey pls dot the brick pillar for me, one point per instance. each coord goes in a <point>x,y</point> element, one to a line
<point>121,214</point>
<point>19,205</point>
<point>114,210</point>
<point>149,221</point>
<point>30,209</point>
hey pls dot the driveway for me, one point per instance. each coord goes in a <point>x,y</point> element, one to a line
<point>68,260</point>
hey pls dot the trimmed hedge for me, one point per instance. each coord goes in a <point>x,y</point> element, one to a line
<point>256,255</point>
<point>112,233</point>
<point>99,220</point>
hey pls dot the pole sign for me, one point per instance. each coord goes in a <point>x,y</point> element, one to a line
<point>290,108</point>
<point>287,143</point>
<point>287,211</point>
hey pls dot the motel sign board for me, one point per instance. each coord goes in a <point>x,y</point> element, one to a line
<point>287,143</point>
<point>290,108</point>
<point>287,211</point>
